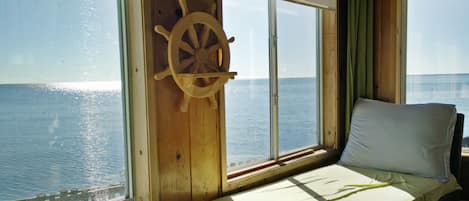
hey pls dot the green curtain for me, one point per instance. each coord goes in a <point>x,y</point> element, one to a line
<point>359,82</point>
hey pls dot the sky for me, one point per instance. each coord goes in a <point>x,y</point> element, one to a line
<point>438,36</point>
<point>296,29</point>
<point>47,41</point>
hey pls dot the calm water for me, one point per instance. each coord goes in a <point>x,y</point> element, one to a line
<point>450,88</point>
<point>70,136</point>
<point>248,117</point>
<point>56,137</point>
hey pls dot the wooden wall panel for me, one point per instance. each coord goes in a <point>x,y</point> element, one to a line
<point>150,59</point>
<point>205,140</point>
<point>173,126</point>
<point>387,60</point>
<point>188,142</point>
<point>330,80</point>
<point>205,158</point>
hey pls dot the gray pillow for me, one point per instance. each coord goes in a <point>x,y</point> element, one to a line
<point>412,139</point>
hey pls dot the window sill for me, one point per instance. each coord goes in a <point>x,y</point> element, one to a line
<point>465,152</point>
<point>286,166</point>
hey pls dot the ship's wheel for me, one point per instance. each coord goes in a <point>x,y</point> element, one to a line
<point>199,68</point>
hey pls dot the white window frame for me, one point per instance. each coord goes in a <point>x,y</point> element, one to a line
<point>125,86</point>
<point>126,96</point>
<point>142,150</point>
<point>273,90</point>
<point>273,81</point>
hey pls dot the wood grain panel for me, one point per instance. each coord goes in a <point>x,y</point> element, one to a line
<point>387,60</point>
<point>173,125</point>
<point>151,98</point>
<point>204,138</point>
<point>330,80</point>
<point>173,144</point>
<point>188,142</point>
<point>205,152</point>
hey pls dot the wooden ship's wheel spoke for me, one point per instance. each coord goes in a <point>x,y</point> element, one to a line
<point>186,63</point>
<point>162,31</point>
<point>213,48</point>
<point>199,75</point>
<point>187,48</point>
<point>184,8</point>
<point>204,37</point>
<point>193,36</point>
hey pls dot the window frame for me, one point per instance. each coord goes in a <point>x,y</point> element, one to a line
<point>274,80</point>
<point>143,151</point>
<point>328,129</point>
<point>122,29</point>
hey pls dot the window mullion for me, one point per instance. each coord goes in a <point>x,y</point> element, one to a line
<point>319,73</point>
<point>273,81</point>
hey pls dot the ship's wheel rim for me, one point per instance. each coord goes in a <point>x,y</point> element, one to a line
<point>176,40</point>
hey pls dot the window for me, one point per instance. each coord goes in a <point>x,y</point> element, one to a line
<point>437,45</point>
<point>247,97</point>
<point>61,103</point>
<point>272,107</point>
<point>297,30</point>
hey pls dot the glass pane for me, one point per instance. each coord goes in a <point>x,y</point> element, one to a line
<point>61,116</point>
<point>247,97</point>
<point>297,83</point>
<point>437,45</point>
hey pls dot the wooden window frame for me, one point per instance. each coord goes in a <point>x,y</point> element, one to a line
<point>301,160</point>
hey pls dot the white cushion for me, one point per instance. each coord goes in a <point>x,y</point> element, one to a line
<point>413,139</point>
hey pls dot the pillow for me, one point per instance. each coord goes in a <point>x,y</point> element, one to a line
<point>413,139</point>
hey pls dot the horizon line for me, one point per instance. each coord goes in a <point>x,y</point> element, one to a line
<point>242,78</point>
<point>52,83</point>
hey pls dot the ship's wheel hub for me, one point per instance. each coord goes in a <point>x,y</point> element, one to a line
<point>201,55</point>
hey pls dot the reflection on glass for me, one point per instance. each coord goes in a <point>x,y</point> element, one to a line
<point>247,97</point>
<point>437,68</point>
<point>297,83</point>
<point>61,116</point>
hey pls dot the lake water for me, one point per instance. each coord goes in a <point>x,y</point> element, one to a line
<point>55,137</point>
<point>70,136</point>
<point>248,117</point>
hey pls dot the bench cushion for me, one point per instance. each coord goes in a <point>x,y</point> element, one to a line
<point>331,182</point>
